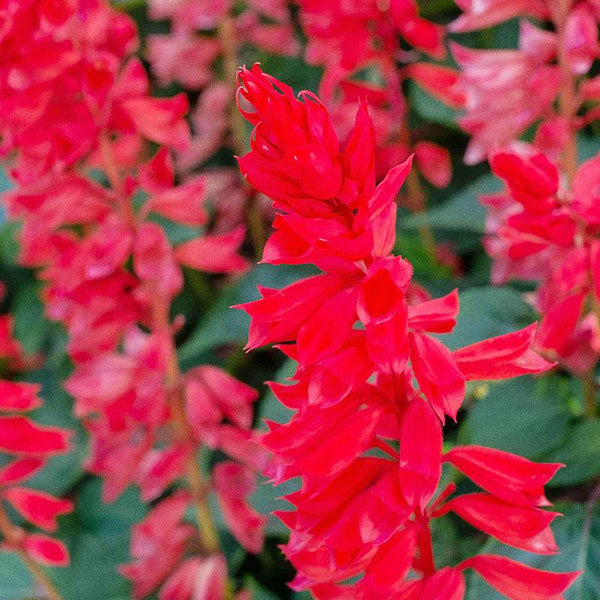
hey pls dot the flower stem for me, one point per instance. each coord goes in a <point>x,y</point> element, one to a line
<point>13,536</point>
<point>196,482</point>
<point>425,546</point>
<point>229,50</point>
<point>174,379</point>
<point>568,95</point>
<point>590,394</point>
<point>568,106</point>
<point>414,188</point>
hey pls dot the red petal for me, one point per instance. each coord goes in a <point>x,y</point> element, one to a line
<point>20,435</point>
<point>501,357</point>
<point>46,550</point>
<point>420,453</point>
<point>518,581</point>
<point>559,323</point>
<point>20,470</point>
<point>37,507</point>
<point>158,173</point>
<point>161,119</point>
<point>521,527</point>
<point>382,208</point>
<point>214,253</point>
<point>434,163</point>
<point>19,396</point>
<point>360,148</point>
<point>392,561</point>
<point>439,81</point>
<point>437,316</point>
<point>329,327</point>
<point>438,376</point>
<point>510,477</point>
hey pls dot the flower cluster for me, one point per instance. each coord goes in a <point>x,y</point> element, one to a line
<point>75,102</point>
<point>540,230</point>
<point>349,37</point>
<point>507,91</point>
<point>373,385</point>
<point>202,33</point>
<point>26,448</point>
<point>30,446</point>
<point>544,226</point>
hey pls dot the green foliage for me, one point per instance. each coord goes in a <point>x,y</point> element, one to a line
<point>462,212</point>
<point>580,452</point>
<point>97,535</point>
<point>516,417</point>
<point>487,312</point>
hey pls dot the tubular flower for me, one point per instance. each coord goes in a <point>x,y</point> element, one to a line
<point>111,274</point>
<point>508,91</point>
<point>76,80</point>
<point>346,38</point>
<point>27,448</point>
<point>373,386</point>
<point>540,230</point>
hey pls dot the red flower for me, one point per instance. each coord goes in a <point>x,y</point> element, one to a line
<point>29,447</point>
<point>360,348</point>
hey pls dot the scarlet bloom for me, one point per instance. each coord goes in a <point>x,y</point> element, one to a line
<point>371,376</point>
<point>542,231</point>
<point>75,100</point>
<point>28,446</point>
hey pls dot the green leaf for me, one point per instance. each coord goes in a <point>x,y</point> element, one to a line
<point>462,212</point>
<point>517,417</point>
<point>266,499</point>
<point>588,147</point>
<point>430,108</point>
<point>257,591</point>
<point>97,535</point>
<point>411,247</point>
<point>487,312</point>
<point>5,185</point>
<point>578,536</point>
<point>31,327</point>
<point>62,471</point>
<point>224,325</point>
<point>9,248</point>
<point>580,453</point>
<point>15,581</point>
<point>270,407</point>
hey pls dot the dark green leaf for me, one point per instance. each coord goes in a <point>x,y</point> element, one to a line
<point>98,536</point>
<point>461,212</point>
<point>487,312</point>
<point>580,453</point>
<point>57,411</point>
<point>30,325</point>
<point>517,418</point>
<point>257,591</point>
<point>588,147</point>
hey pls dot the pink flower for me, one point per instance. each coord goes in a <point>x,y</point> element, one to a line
<point>505,92</point>
<point>481,14</point>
